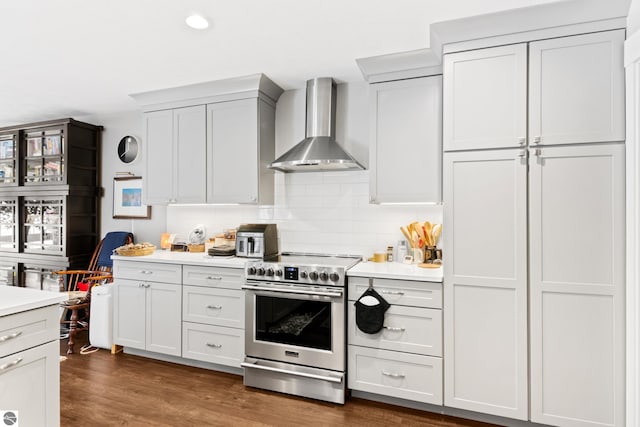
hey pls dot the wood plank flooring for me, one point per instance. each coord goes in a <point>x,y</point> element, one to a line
<point>101,389</point>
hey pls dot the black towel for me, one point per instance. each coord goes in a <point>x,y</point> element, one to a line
<point>370,318</point>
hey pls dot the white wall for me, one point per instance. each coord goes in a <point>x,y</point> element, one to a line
<point>327,212</point>
<point>115,127</point>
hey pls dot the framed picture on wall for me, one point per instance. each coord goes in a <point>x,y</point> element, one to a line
<point>127,198</point>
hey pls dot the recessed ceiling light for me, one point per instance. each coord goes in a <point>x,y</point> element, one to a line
<point>197,21</point>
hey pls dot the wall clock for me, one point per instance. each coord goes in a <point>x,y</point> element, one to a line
<point>128,149</point>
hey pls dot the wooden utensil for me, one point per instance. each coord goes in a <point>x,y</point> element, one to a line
<point>437,229</point>
<point>415,238</point>
<point>418,228</point>
<point>427,227</point>
<point>407,235</point>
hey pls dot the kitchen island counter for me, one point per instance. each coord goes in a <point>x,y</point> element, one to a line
<point>15,299</point>
<point>395,270</point>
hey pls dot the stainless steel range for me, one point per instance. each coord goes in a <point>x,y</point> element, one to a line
<point>295,339</point>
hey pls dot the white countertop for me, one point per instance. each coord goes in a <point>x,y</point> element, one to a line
<point>190,258</point>
<point>395,270</point>
<point>14,299</point>
<point>384,270</point>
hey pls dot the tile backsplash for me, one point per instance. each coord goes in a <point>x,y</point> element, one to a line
<point>320,212</point>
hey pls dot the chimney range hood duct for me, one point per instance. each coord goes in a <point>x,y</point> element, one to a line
<point>319,151</point>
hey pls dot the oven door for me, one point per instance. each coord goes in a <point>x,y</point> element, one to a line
<point>303,325</point>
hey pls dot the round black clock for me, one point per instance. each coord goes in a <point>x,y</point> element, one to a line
<point>128,149</point>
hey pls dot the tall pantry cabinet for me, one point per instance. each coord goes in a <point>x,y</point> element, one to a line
<point>534,211</point>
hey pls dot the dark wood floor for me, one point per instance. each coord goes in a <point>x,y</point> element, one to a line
<point>101,389</point>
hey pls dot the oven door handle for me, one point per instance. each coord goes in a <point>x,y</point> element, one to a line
<point>254,365</point>
<point>336,294</point>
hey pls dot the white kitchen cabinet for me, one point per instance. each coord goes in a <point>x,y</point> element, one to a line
<point>213,315</point>
<point>392,373</point>
<point>129,313</point>
<point>30,366</point>
<point>575,93</point>
<point>485,98</point>
<point>31,379</point>
<point>148,313</point>
<point>240,146</point>
<point>575,203</point>
<point>406,140</point>
<point>408,329</point>
<point>176,155</point>
<point>576,89</point>
<point>403,360</point>
<point>577,267</point>
<point>485,275</point>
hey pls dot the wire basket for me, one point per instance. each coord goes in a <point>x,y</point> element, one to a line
<point>127,251</point>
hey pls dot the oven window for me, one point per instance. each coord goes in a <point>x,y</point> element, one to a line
<point>293,321</point>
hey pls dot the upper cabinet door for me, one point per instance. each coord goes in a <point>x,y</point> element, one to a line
<point>485,98</point>
<point>159,181</point>
<point>406,133</point>
<point>190,134</point>
<point>232,141</point>
<point>576,89</point>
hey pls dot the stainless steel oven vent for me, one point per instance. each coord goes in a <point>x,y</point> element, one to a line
<point>319,151</point>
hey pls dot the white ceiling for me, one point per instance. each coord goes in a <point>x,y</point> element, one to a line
<point>74,58</point>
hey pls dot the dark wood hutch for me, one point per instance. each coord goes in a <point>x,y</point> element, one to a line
<point>50,193</point>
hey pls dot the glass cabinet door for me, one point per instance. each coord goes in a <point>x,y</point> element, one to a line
<point>43,225</point>
<point>8,156</point>
<point>8,274</point>
<point>44,156</point>
<point>8,224</point>
<point>37,277</point>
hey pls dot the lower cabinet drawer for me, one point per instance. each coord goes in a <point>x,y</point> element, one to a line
<point>214,344</point>
<point>409,329</point>
<point>29,328</point>
<point>213,306</point>
<point>391,373</point>
<point>148,271</point>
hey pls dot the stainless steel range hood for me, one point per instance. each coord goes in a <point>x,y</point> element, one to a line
<point>319,151</point>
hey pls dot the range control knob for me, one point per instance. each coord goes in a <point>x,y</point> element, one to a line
<point>278,272</point>
<point>251,271</point>
<point>303,274</point>
<point>334,277</point>
<point>270,272</point>
<point>260,271</point>
<point>313,275</point>
<point>324,276</point>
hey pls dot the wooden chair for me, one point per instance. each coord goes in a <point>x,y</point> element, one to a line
<point>78,284</point>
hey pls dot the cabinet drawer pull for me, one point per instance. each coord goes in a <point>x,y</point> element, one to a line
<point>10,336</point>
<point>146,272</point>
<point>536,140</point>
<point>522,140</point>
<point>10,364</point>
<point>392,375</point>
<point>215,307</point>
<point>392,329</point>
<point>214,277</point>
<point>392,292</point>
<point>214,345</point>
